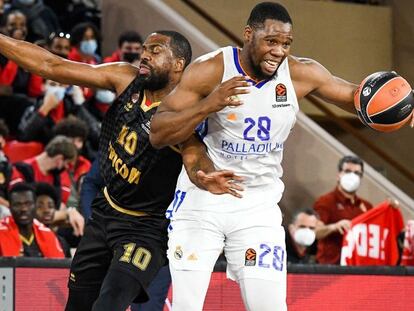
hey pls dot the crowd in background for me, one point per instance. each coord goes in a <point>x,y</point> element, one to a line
<point>49,135</point>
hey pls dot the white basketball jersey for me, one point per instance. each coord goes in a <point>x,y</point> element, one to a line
<point>249,139</point>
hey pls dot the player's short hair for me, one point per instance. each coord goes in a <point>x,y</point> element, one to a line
<point>307,210</point>
<point>180,46</point>
<point>43,188</point>
<point>350,159</point>
<point>4,130</point>
<point>61,145</point>
<point>268,10</point>
<point>71,127</point>
<point>129,36</point>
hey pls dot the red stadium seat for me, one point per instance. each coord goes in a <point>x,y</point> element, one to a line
<point>19,151</point>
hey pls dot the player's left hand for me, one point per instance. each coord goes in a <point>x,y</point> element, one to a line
<point>412,120</point>
<point>221,182</point>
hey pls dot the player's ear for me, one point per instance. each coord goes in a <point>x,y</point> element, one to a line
<point>179,64</point>
<point>247,33</point>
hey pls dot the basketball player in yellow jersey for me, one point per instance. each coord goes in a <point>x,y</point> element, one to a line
<point>245,102</point>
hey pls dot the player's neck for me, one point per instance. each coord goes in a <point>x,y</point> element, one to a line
<point>246,65</point>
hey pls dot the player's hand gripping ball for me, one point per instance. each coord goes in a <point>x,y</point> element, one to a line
<point>384,101</point>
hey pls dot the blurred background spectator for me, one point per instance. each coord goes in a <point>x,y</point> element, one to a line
<point>129,48</point>
<point>300,237</point>
<point>41,20</point>
<point>5,172</point>
<point>18,88</point>
<point>51,166</point>
<point>337,208</point>
<point>46,205</point>
<point>21,234</point>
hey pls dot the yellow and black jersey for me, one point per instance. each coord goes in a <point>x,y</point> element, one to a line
<point>139,179</point>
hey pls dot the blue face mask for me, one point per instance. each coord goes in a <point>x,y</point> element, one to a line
<point>88,47</point>
<point>105,96</point>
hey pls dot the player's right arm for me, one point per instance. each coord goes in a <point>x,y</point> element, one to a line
<point>37,60</point>
<point>199,93</point>
<point>201,171</point>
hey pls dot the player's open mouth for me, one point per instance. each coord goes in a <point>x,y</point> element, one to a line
<point>270,65</point>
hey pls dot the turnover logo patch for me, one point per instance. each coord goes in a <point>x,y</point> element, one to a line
<point>250,257</point>
<point>281,92</point>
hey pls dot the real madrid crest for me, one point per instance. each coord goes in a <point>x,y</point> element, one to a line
<point>178,254</point>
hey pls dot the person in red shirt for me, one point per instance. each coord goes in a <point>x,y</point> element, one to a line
<point>129,48</point>
<point>50,166</point>
<point>337,208</point>
<point>21,234</point>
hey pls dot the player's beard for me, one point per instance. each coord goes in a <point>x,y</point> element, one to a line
<point>155,80</point>
<point>255,63</point>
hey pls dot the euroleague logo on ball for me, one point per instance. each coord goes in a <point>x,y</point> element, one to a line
<point>366,91</point>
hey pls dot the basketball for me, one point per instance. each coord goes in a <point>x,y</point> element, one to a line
<point>384,101</point>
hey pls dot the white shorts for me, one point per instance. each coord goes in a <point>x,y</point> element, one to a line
<point>252,238</point>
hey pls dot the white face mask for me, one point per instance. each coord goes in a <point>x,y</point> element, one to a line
<point>105,96</point>
<point>58,91</point>
<point>304,236</point>
<point>350,182</point>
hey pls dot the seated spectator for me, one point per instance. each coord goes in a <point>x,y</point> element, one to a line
<point>18,88</point>
<point>50,166</point>
<point>59,102</point>
<point>41,19</point>
<point>21,234</point>
<point>85,39</point>
<point>300,237</point>
<point>76,130</point>
<point>46,206</point>
<point>337,208</point>
<point>59,43</point>
<point>129,48</point>
<point>5,172</point>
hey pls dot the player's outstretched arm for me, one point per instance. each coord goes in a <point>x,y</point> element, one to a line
<point>199,93</point>
<point>202,173</point>
<point>37,60</point>
<point>310,77</point>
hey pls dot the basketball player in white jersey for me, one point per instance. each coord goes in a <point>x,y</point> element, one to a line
<point>243,104</point>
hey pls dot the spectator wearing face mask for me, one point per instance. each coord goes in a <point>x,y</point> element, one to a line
<point>60,100</point>
<point>129,48</point>
<point>85,38</point>
<point>300,237</point>
<point>41,20</point>
<point>337,208</point>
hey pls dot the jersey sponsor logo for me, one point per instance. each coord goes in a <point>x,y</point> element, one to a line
<point>247,148</point>
<point>250,257</point>
<point>130,174</point>
<point>281,93</point>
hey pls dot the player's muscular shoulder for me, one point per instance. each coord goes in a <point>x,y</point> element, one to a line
<point>121,75</point>
<point>204,74</point>
<point>307,75</point>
